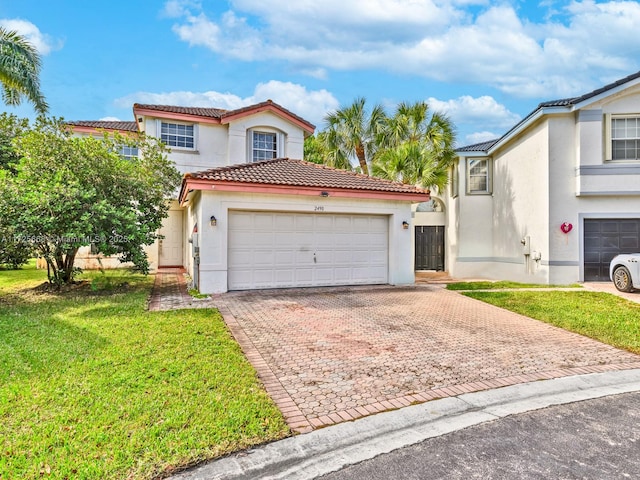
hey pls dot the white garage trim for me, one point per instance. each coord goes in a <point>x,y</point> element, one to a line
<point>287,249</point>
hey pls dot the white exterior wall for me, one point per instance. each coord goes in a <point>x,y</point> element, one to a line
<point>213,240</point>
<point>566,141</point>
<point>485,231</point>
<point>211,146</point>
<point>267,122</point>
<point>556,172</point>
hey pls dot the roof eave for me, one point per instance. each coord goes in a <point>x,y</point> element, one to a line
<point>98,130</point>
<point>273,108</point>
<point>190,184</point>
<point>611,91</point>
<point>187,117</point>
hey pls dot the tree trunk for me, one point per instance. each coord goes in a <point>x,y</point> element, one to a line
<point>362,159</point>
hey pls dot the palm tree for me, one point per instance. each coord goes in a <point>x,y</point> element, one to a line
<point>354,132</point>
<point>20,71</point>
<point>416,147</point>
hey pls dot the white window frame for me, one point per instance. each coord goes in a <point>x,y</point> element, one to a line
<point>488,174</point>
<point>609,118</point>
<point>172,122</point>
<point>280,142</point>
<point>127,151</point>
<point>455,180</point>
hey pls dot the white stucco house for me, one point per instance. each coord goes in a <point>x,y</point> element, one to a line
<point>252,214</point>
<point>553,199</point>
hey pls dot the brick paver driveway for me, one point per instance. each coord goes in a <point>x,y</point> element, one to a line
<point>334,354</point>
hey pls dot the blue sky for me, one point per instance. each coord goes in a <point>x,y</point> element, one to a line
<point>486,64</point>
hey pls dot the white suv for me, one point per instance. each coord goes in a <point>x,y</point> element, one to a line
<point>625,271</point>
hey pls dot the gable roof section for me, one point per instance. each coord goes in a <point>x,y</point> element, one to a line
<point>553,106</point>
<point>297,177</point>
<point>92,126</point>
<point>194,111</point>
<point>218,115</point>
<point>478,147</point>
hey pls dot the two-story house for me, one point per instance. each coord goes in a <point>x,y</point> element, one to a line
<point>555,198</point>
<point>252,214</point>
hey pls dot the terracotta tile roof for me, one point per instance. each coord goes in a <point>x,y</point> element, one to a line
<point>298,173</point>
<point>221,114</point>
<point>109,125</point>
<point>197,111</point>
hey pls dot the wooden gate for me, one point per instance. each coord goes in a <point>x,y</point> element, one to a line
<point>429,248</point>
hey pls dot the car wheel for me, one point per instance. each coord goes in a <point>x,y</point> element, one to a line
<point>622,279</point>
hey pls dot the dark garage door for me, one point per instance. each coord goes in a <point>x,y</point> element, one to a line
<point>603,240</point>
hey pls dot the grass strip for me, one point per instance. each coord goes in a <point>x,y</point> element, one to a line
<point>601,316</point>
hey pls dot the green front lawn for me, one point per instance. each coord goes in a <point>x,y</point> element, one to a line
<point>94,386</point>
<point>602,316</point>
<point>487,285</point>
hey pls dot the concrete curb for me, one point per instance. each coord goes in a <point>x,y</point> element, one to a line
<point>323,451</point>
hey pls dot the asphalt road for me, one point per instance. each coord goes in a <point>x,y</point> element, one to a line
<point>592,439</point>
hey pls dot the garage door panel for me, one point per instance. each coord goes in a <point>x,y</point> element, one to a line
<point>261,222</point>
<point>264,258</point>
<point>603,240</point>
<point>270,250</point>
<point>378,240</point>
<point>629,243</point>
<point>266,239</point>
<point>324,275</point>
<point>240,258</point>
<point>285,276</point>
<point>284,222</point>
<point>344,223</point>
<point>284,258</point>
<point>241,221</point>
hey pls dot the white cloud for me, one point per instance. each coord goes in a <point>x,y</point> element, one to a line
<point>568,52</point>
<point>481,110</point>
<point>42,42</point>
<point>109,119</point>
<point>478,137</point>
<point>310,105</point>
<point>468,113</point>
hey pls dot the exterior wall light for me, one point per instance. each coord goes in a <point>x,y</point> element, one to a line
<point>405,225</point>
<point>324,194</point>
<point>214,222</point>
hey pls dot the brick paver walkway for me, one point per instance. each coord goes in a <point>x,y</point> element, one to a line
<point>335,354</point>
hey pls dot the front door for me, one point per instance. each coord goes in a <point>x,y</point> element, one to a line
<point>429,248</point>
<point>170,247</point>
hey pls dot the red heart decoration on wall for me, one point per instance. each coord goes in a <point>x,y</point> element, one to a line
<point>566,227</point>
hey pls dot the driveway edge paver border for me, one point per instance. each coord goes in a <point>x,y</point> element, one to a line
<point>292,414</point>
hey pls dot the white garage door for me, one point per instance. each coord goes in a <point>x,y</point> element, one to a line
<point>277,250</point>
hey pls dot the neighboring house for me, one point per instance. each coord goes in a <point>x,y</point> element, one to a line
<point>252,214</point>
<point>555,198</point>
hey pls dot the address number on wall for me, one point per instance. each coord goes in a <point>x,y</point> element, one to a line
<point>318,208</point>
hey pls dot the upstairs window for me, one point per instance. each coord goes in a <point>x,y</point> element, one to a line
<point>625,138</point>
<point>127,151</point>
<point>265,146</point>
<point>178,135</point>
<point>478,176</point>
